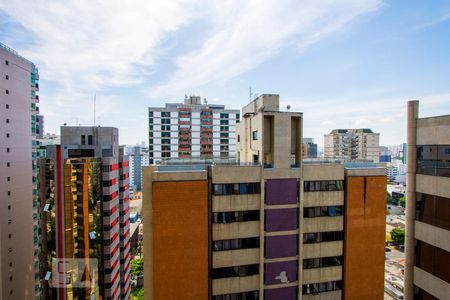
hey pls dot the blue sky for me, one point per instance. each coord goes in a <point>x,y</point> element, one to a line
<point>345,64</point>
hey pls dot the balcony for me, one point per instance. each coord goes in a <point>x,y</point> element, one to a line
<point>233,285</point>
<point>322,274</point>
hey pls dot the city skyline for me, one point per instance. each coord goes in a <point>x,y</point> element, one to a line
<point>346,65</point>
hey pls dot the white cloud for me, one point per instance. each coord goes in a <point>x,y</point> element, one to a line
<point>248,33</point>
<point>386,116</point>
<point>88,46</point>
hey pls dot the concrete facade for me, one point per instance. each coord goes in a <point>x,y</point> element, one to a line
<point>275,225</point>
<point>353,144</point>
<point>18,214</point>
<point>427,268</point>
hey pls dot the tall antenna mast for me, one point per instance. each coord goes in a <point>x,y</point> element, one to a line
<point>250,90</point>
<point>95,100</point>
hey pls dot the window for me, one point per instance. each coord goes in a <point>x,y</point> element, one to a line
<point>433,260</point>
<point>7,120</point>
<point>323,186</point>
<point>6,62</point>
<point>165,121</point>
<point>254,295</point>
<point>8,164</point>
<point>165,141</point>
<point>7,135</point>
<point>322,211</point>
<point>165,114</point>
<point>9,221</point>
<point>223,122</point>
<point>433,210</point>
<point>165,134</point>
<point>83,139</point>
<point>8,178</point>
<point>233,244</point>
<point>315,288</point>
<point>7,77</point>
<point>90,139</point>
<point>255,135</point>
<point>433,160</point>
<point>235,216</point>
<point>7,106</point>
<point>236,188</point>
<point>224,116</point>
<point>9,235</point>
<point>237,271</point>
<point>7,92</point>
<point>239,138</point>
<point>322,262</point>
<point>318,237</point>
<point>7,149</point>
<point>9,193</point>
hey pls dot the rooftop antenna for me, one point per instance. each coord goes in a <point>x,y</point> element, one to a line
<point>288,107</point>
<point>250,90</point>
<point>95,100</point>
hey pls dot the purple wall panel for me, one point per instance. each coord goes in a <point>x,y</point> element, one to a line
<point>281,191</point>
<point>281,219</point>
<point>280,272</point>
<point>289,293</point>
<point>281,246</point>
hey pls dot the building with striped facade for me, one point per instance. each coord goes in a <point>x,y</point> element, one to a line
<point>85,215</point>
<point>191,130</point>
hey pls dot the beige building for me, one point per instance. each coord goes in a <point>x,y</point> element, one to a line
<point>265,227</point>
<point>353,144</point>
<point>18,87</point>
<point>427,270</point>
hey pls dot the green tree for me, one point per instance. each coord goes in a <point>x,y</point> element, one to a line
<point>402,202</point>
<point>137,266</point>
<point>390,200</point>
<point>398,236</point>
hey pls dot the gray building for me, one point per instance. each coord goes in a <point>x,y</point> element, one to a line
<point>309,148</point>
<point>353,144</point>
<point>18,218</point>
<point>427,243</point>
<point>138,158</point>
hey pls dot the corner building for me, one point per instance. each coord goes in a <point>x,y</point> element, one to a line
<point>84,204</point>
<point>427,269</point>
<point>19,235</point>
<point>268,226</point>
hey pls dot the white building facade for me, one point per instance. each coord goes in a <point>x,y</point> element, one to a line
<point>192,130</point>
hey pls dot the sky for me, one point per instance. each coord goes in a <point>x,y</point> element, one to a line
<point>344,64</point>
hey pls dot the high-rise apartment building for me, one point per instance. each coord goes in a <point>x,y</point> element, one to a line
<point>138,158</point>
<point>269,226</point>
<point>19,238</point>
<point>309,148</point>
<point>427,269</point>
<point>192,130</point>
<point>353,144</point>
<point>85,216</point>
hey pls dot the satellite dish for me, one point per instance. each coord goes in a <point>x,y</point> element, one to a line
<point>288,107</point>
